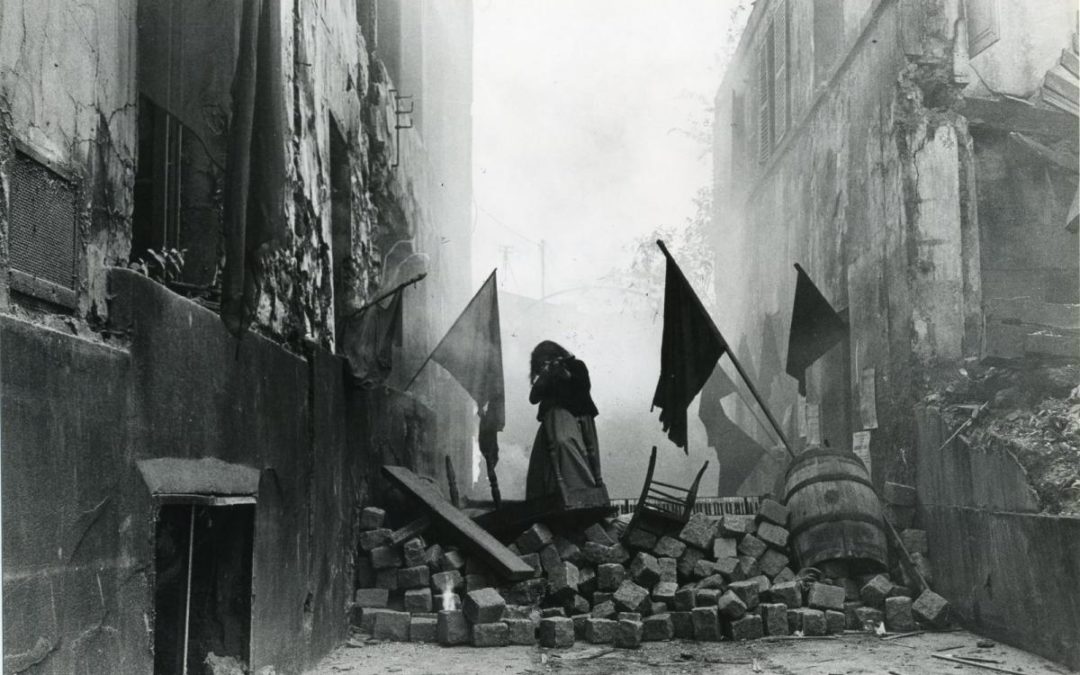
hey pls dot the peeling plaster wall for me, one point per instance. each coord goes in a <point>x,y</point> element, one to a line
<point>867,191</point>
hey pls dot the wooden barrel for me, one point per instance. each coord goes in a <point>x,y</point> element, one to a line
<point>835,513</point>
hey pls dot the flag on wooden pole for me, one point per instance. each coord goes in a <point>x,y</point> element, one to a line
<point>815,328</point>
<point>689,351</point>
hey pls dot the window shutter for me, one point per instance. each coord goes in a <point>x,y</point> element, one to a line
<point>764,125</point>
<point>738,133</point>
<point>780,61</point>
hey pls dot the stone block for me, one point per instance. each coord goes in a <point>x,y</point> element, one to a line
<point>520,631</point>
<point>447,601</point>
<point>729,569</point>
<point>628,634</point>
<point>875,591</point>
<point>657,628</point>
<point>915,541</point>
<point>707,597</point>
<point>932,609</point>
<point>825,596</point>
<point>736,525</point>
<point>747,628</point>
<point>597,534</point>
<point>569,551</point>
<point>638,538</point>
<point>609,576</point>
<point>704,568</point>
<point>869,618</point>
<point>773,535</point>
<point>563,580</point>
<point>748,566</point>
<point>706,624</point>
<point>668,547</point>
<point>600,597</point>
<point>794,621</point>
<point>748,591</point>
<point>684,599</point>
<point>387,579</point>
<point>752,546</point>
<point>432,556</point>
<point>374,598</point>
<point>391,625</point>
<point>631,597</point>
<point>385,557</point>
<point>772,562</point>
<point>898,494</point>
<point>712,581</point>
<point>813,621</point>
<point>548,612</point>
<point>414,577</point>
<point>368,616</point>
<point>784,576</point>
<point>373,539</point>
<point>656,608</point>
<point>603,610</point>
<point>418,600</point>
<point>576,604</point>
<point>688,561</point>
<point>452,628</point>
<point>898,614</point>
<point>556,631</point>
<point>533,561</point>
<point>484,606</point>
<point>683,624</point>
<point>699,531</point>
<point>725,547</point>
<point>669,569</point>
<point>372,518</point>
<point>834,621</point>
<point>618,554</point>
<point>851,617</point>
<point>597,554</point>
<point>550,558</point>
<point>628,616</point>
<point>586,579</point>
<point>413,552</point>
<point>423,629</point>
<point>774,616</point>
<point>452,561</point>
<point>579,625</point>
<point>600,631</point>
<point>664,592</point>
<point>772,511</point>
<point>527,592</point>
<point>495,634</point>
<point>731,606</point>
<point>763,584</point>
<point>535,538</point>
<point>787,593</point>
<point>645,570</point>
<point>474,582</point>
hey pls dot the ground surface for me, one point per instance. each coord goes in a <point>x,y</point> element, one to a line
<point>848,654</point>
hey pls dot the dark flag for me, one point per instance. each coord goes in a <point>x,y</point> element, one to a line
<point>471,351</point>
<point>815,328</point>
<point>254,209</point>
<point>369,338</point>
<point>689,351</point>
<point>738,454</point>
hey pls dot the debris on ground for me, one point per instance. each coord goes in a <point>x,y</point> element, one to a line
<point>1031,408</point>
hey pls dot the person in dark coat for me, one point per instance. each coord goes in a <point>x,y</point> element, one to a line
<point>566,452</point>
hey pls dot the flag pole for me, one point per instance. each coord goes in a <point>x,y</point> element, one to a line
<point>731,355</point>
<point>382,296</point>
<point>448,331</point>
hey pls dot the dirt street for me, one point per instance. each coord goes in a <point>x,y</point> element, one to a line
<point>846,655</point>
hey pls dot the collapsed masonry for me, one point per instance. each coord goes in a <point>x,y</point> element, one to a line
<point>718,578</point>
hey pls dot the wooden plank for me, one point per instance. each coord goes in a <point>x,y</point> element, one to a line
<point>409,530</point>
<point>1008,114</point>
<point>1071,61</point>
<point>1033,312</point>
<point>486,547</point>
<point>1059,80</point>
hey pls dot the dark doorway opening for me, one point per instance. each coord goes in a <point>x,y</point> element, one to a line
<point>202,594</point>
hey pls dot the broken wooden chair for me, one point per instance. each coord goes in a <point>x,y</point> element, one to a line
<point>663,507</point>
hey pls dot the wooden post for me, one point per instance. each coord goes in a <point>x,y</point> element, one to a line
<point>187,593</point>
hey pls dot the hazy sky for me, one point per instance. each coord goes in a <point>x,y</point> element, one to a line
<point>575,112</point>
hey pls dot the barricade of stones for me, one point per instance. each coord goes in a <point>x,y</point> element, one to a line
<point>716,578</point>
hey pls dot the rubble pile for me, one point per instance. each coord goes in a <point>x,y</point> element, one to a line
<point>716,578</point>
<point>1031,408</point>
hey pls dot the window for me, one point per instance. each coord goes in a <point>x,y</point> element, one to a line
<point>828,34</point>
<point>773,83</point>
<point>42,229</point>
<point>738,135</point>
<point>982,24</point>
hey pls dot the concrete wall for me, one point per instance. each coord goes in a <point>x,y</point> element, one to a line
<point>999,563</point>
<point>867,191</point>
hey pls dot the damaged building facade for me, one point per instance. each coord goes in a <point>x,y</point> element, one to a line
<point>918,159</point>
<point>166,483</point>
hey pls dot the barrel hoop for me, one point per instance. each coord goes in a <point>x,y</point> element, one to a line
<point>820,478</point>
<point>835,517</point>
<point>848,457</point>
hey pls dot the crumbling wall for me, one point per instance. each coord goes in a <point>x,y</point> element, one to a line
<point>868,192</point>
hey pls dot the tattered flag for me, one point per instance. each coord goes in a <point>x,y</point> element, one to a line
<point>815,328</point>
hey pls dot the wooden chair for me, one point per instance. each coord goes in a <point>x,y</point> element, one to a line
<point>663,507</point>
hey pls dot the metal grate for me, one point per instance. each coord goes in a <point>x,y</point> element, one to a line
<point>711,506</point>
<point>41,237</point>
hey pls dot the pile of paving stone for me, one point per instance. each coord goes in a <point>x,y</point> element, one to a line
<point>729,577</point>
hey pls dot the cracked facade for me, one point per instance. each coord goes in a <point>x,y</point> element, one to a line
<point>105,368</point>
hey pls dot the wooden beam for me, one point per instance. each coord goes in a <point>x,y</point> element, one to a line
<point>409,530</point>
<point>1044,153</point>
<point>481,544</point>
<point>1009,114</point>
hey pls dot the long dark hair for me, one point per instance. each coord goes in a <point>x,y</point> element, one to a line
<point>546,353</point>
